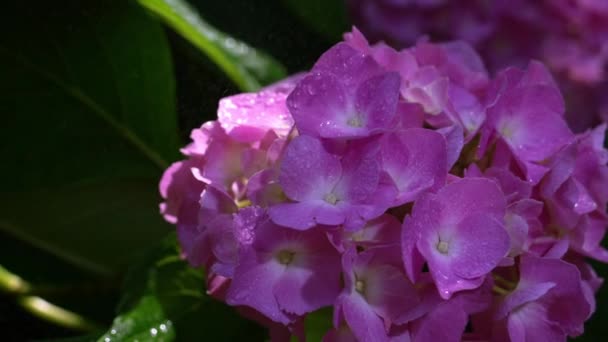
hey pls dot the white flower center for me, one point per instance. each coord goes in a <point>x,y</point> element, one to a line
<point>442,247</point>
<point>285,257</point>
<point>355,121</point>
<point>360,286</point>
<point>331,199</point>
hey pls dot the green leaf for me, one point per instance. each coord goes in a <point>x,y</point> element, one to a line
<point>147,321</point>
<point>327,17</point>
<point>247,67</point>
<point>164,295</point>
<point>89,123</point>
<point>318,323</point>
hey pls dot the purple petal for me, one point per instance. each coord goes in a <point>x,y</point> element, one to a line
<point>526,292</point>
<point>308,172</point>
<point>389,291</point>
<point>472,195</point>
<point>454,137</point>
<point>301,290</point>
<point>376,101</point>
<point>305,215</point>
<point>481,242</point>
<point>383,230</point>
<point>347,63</point>
<point>361,319</point>
<point>247,117</point>
<point>529,119</point>
<point>360,173</point>
<point>321,107</point>
<point>529,323</point>
<point>425,216</point>
<point>445,323</point>
<point>416,160</point>
<point>253,283</point>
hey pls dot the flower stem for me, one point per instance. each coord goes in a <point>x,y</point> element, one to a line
<point>13,284</point>
<point>55,314</point>
<point>500,291</point>
<point>508,285</point>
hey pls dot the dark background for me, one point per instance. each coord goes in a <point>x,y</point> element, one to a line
<point>269,25</point>
<point>275,26</point>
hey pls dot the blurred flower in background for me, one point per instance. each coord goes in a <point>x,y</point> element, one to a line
<point>569,36</point>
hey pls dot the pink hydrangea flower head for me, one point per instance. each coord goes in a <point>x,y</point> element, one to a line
<point>405,189</point>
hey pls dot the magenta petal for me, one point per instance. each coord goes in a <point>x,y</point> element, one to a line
<point>177,173</point>
<point>383,230</point>
<point>481,242</point>
<point>347,63</point>
<point>215,201</point>
<point>447,281</point>
<point>416,160</point>
<point>361,319</point>
<point>526,292</point>
<point>250,286</point>
<point>471,195</point>
<point>302,290</point>
<point>549,294</point>
<point>529,324</point>
<point>444,323</point>
<point>428,88</point>
<point>529,119</point>
<point>320,107</point>
<point>389,291</point>
<point>308,172</point>
<point>425,216</point>
<point>247,117</point>
<point>312,281</point>
<point>376,101</point>
<point>305,215</point>
<point>360,173</point>
<point>454,137</point>
<point>466,109</point>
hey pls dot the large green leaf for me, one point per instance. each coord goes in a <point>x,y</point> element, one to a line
<point>88,124</point>
<point>247,67</point>
<point>165,298</point>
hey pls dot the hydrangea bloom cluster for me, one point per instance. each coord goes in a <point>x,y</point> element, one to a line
<point>570,36</point>
<point>416,196</point>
